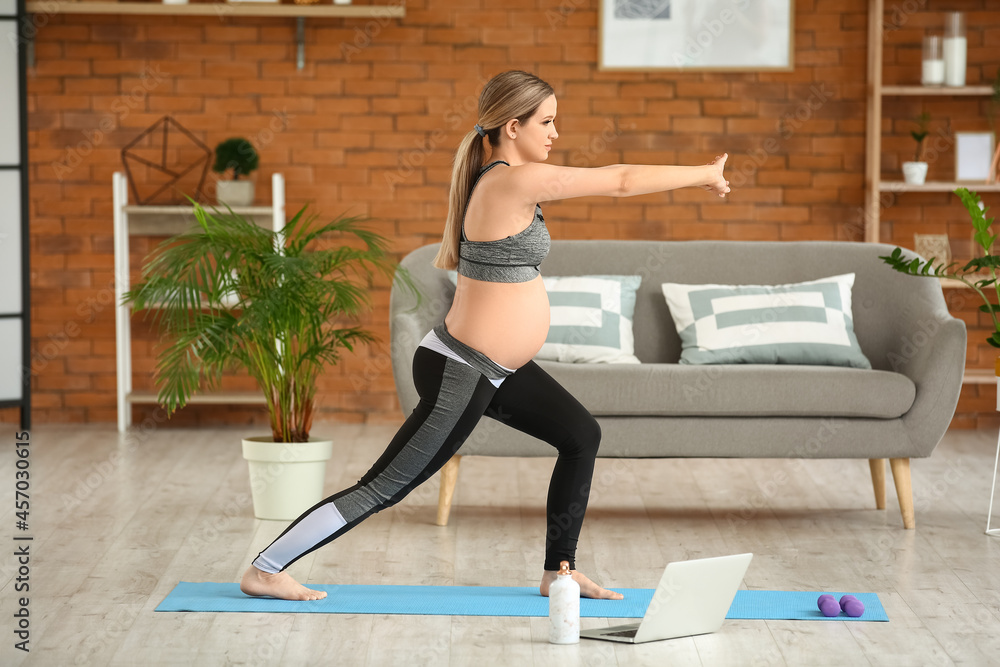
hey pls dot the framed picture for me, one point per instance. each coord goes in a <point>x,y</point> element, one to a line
<point>973,156</point>
<point>720,35</point>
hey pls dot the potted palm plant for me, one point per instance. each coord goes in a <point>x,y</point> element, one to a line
<point>980,273</point>
<point>915,171</point>
<point>230,294</point>
<point>236,155</point>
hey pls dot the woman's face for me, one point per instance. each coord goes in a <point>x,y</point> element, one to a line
<point>534,137</point>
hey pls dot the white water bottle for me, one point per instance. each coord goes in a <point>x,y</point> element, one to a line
<point>564,608</point>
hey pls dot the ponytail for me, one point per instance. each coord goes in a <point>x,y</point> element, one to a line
<point>468,160</point>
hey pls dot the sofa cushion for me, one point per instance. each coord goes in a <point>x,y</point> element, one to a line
<point>591,319</point>
<point>741,390</point>
<point>801,323</point>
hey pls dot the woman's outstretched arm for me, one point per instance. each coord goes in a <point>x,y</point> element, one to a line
<point>540,182</point>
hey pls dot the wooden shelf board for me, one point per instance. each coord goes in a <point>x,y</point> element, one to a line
<point>183,209</point>
<point>937,90</point>
<point>938,186</point>
<point>979,376</point>
<point>218,9</point>
<point>951,283</point>
<point>214,398</point>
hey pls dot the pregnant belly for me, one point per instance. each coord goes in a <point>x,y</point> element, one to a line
<point>508,322</point>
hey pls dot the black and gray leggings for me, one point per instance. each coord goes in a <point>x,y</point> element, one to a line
<point>454,395</point>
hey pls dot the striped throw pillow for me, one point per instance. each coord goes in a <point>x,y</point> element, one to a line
<point>591,319</point>
<point>802,323</point>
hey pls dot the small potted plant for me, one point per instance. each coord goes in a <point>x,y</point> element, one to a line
<point>231,294</point>
<point>238,156</point>
<point>980,273</point>
<point>915,171</point>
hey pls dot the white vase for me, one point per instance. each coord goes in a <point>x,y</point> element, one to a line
<point>286,478</point>
<point>915,173</point>
<point>234,193</point>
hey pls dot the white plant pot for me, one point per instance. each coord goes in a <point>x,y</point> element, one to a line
<point>915,173</point>
<point>286,478</point>
<point>234,193</point>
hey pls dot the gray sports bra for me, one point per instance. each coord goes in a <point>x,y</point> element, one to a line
<point>514,259</point>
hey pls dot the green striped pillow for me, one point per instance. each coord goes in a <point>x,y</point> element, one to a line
<point>591,319</point>
<point>802,323</point>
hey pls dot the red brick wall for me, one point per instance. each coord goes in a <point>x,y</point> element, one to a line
<point>371,123</point>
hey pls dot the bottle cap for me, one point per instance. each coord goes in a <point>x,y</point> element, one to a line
<point>564,568</point>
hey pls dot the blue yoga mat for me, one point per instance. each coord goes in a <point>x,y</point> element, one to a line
<point>492,601</point>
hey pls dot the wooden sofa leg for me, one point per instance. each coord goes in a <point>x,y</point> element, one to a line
<point>449,475</point>
<point>878,481</point>
<point>901,477</point>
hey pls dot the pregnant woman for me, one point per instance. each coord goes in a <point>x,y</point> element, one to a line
<point>479,360</point>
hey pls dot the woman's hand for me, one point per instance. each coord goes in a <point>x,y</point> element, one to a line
<point>717,183</point>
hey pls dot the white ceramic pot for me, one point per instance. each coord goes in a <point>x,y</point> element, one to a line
<point>286,478</point>
<point>234,193</point>
<point>915,173</point>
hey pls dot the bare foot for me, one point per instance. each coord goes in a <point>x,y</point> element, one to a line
<point>588,589</point>
<point>279,585</point>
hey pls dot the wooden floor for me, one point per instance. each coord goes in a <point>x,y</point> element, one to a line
<point>117,522</point>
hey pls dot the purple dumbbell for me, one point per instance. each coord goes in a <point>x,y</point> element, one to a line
<point>829,606</point>
<point>853,607</point>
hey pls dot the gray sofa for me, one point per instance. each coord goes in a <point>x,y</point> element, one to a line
<point>898,410</point>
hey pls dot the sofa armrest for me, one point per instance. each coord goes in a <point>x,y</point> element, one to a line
<point>930,350</point>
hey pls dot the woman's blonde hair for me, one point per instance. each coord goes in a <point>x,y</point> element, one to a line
<point>509,95</point>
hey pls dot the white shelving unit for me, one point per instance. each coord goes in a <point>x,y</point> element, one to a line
<point>134,220</point>
<point>873,149</point>
<point>874,185</point>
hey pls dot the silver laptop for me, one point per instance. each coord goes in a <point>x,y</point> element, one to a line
<point>692,599</point>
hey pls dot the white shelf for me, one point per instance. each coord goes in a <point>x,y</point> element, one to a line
<point>217,9</point>
<point>137,209</point>
<point>154,220</point>
<point>936,90</point>
<point>214,398</point>
<point>131,219</point>
<point>936,186</point>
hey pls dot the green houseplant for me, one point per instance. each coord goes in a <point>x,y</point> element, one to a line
<point>230,294</point>
<point>980,273</point>
<point>236,156</point>
<point>915,171</point>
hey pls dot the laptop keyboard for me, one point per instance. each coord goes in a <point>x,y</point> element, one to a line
<point>623,633</point>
